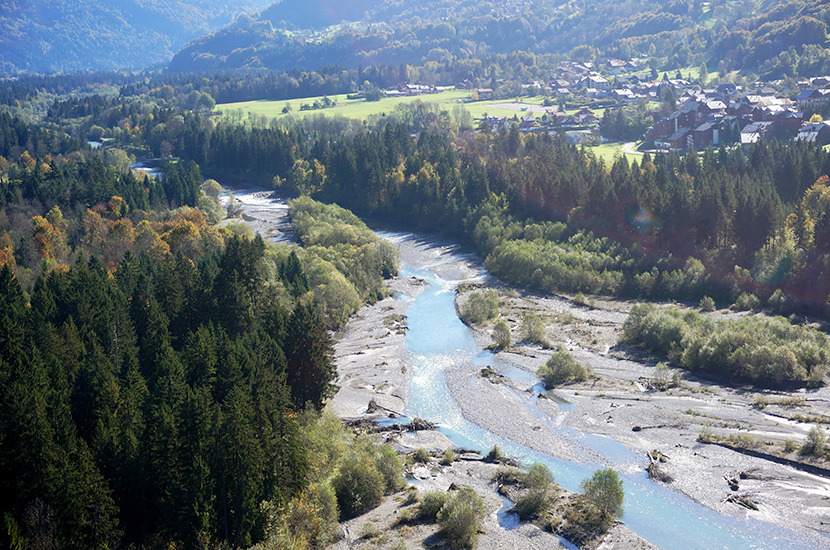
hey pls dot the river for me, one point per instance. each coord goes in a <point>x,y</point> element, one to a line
<point>437,343</point>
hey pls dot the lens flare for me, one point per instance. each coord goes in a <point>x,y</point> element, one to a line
<point>641,219</point>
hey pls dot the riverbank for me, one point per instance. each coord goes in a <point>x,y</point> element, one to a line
<point>617,403</point>
<point>374,377</point>
<point>374,366</point>
<point>620,403</point>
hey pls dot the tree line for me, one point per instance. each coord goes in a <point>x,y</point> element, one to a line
<point>154,402</point>
<point>544,213</point>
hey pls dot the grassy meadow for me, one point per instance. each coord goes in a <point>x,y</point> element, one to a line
<point>360,109</point>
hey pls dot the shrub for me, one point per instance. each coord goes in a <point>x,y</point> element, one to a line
<point>661,374</point>
<point>538,476</point>
<point>448,457</point>
<point>421,455</point>
<point>560,368</point>
<point>509,475</point>
<point>359,485</point>
<point>390,466</point>
<point>768,351</point>
<point>707,304</point>
<point>533,330</point>
<point>605,491</point>
<point>746,302</point>
<point>367,473</point>
<point>501,335</point>
<point>412,496</point>
<point>312,516</point>
<point>540,494</point>
<point>480,307</point>
<point>495,454</point>
<point>369,531</point>
<point>778,302</point>
<point>461,517</point>
<point>431,504</point>
<point>816,444</point>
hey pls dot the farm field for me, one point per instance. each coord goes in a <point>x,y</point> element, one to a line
<point>360,109</point>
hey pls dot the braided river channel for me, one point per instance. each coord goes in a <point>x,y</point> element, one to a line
<point>437,343</point>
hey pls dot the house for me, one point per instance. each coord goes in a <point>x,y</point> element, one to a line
<point>569,120</point>
<point>495,122</point>
<point>821,81</point>
<point>485,93</point>
<point>579,138</point>
<point>812,97</point>
<point>416,89</point>
<point>615,66</point>
<point>755,132</point>
<point>661,129</point>
<point>527,123</point>
<point>632,64</point>
<point>623,95</point>
<point>712,106</point>
<point>587,118</point>
<point>792,120</point>
<point>679,83</point>
<point>547,119</point>
<point>814,132</point>
<point>706,134</point>
<point>686,117</point>
<point>596,81</point>
<point>681,139</point>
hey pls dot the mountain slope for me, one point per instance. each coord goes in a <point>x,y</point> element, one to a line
<point>367,32</point>
<point>62,35</point>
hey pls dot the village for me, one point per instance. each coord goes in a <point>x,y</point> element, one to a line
<point>577,94</point>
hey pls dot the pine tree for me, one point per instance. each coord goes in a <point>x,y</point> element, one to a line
<point>13,316</point>
<point>311,370</point>
<point>293,276</point>
<point>238,286</point>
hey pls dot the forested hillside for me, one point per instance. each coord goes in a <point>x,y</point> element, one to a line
<point>45,37</point>
<point>153,365</point>
<point>745,36</point>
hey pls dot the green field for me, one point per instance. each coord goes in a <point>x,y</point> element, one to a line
<point>611,150</point>
<point>359,109</point>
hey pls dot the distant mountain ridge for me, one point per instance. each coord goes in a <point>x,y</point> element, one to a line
<point>306,35</point>
<point>317,13</point>
<point>47,36</point>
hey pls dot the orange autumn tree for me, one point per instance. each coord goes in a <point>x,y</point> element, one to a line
<point>49,235</point>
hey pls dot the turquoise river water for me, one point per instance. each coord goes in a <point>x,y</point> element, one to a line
<point>437,342</point>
